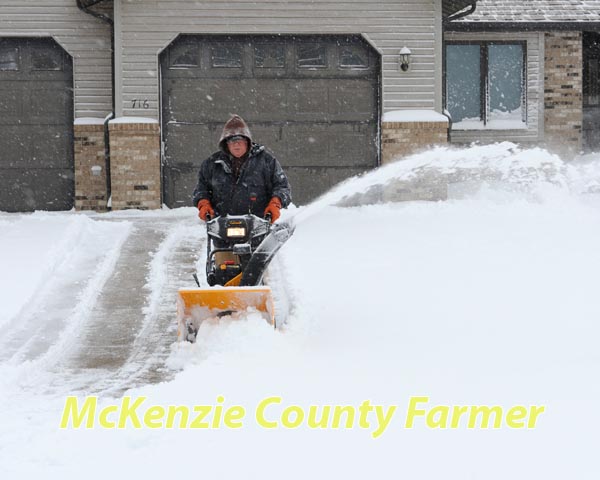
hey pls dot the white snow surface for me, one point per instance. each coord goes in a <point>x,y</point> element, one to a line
<point>414,116</point>
<point>487,298</point>
<point>134,120</point>
<point>498,121</point>
<point>37,248</point>
<point>89,121</point>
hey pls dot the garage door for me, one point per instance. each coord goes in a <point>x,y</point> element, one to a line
<point>313,100</point>
<point>36,120</point>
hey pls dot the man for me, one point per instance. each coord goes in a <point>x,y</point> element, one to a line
<point>242,177</point>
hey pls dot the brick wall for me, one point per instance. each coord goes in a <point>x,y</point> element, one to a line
<point>135,165</point>
<point>90,183</point>
<point>563,108</point>
<point>399,139</point>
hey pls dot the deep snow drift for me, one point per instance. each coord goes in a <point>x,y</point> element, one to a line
<point>487,298</point>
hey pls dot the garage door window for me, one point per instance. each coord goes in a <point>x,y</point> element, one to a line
<point>269,56</point>
<point>312,55</point>
<point>353,57</point>
<point>226,57</point>
<point>47,60</point>
<point>9,59</point>
<point>185,56</point>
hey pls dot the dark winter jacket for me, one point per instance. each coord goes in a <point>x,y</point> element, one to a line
<point>261,178</point>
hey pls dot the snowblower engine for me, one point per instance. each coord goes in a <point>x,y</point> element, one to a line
<point>232,240</point>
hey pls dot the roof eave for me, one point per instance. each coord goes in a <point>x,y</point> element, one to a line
<point>472,26</point>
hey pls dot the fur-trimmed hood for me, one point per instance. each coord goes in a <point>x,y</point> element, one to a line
<point>234,126</point>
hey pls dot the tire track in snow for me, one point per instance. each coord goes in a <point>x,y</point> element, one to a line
<point>133,328</point>
<point>171,269</point>
<point>114,323</point>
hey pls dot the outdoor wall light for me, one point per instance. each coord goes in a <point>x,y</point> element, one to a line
<point>405,58</point>
<point>96,170</point>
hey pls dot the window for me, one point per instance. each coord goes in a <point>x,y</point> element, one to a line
<point>312,55</point>
<point>486,85</point>
<point>9,59</point>
<point>269,56</point>
<point>591,69</point>
<point>46,59</point>
<point>226,56</point>
<point>354,57</point>
<point>591,90</point>
<point>184,56</point>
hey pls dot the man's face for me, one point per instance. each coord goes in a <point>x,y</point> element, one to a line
<point>238,148</point>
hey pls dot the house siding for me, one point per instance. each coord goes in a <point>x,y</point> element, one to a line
<point>85,38</point>
<point>145,27</point>
<point>535,97</point>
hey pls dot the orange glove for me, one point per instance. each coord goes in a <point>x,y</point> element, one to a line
<point>204,209</point>
<point>274,208</point>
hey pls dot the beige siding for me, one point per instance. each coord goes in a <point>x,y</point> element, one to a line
<point>84,37</point>
<point>535,95</point>
<point>145,27</point>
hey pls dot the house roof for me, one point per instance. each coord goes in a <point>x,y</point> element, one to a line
<point>534,11</point>
<point>455,8</point>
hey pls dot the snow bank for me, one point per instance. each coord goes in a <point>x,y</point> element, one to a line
<point>34,248</point>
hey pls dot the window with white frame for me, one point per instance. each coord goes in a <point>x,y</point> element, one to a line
<point>485,85</point>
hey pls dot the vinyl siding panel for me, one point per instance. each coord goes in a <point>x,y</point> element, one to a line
<point>146,27</point>
<point>535,94</point>
<point>85,38</point>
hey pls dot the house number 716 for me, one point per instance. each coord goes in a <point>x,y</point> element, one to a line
<point>138,103</point>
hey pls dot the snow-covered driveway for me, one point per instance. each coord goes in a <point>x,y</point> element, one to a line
<point>99,304</point>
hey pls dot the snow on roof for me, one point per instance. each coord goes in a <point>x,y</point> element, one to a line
<point>519,11</point>
<point>413,116</point>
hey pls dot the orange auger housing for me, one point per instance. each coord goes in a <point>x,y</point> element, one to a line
<point>201,303</point>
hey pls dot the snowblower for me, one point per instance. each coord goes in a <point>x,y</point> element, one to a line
<point>239,250</point>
